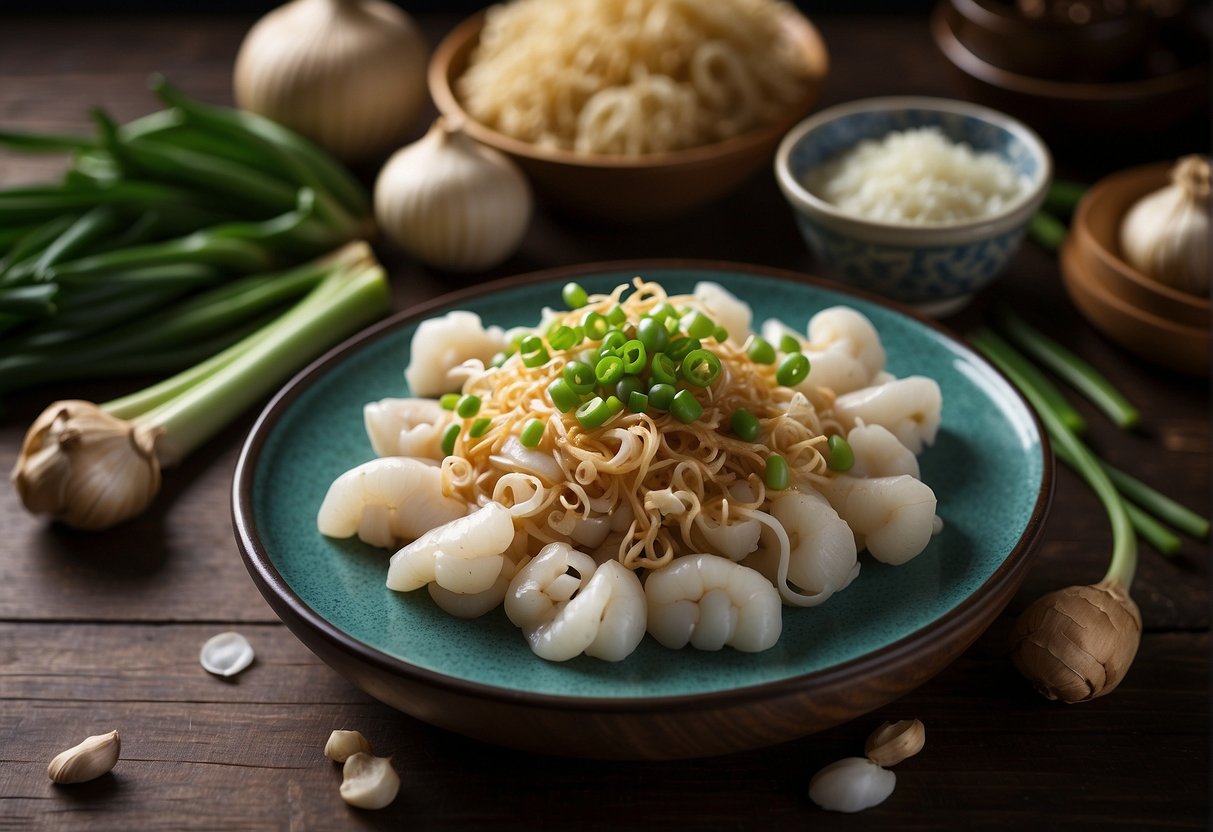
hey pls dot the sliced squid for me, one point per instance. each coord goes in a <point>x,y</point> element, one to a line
<point>843,348</point>
<point>386,501</point>
<point>809,551</point>
<point>464,555</point>
<point>440,345</point>
<point>476,604</point>
<point>406,427</point>
<point>878,453</point>
<point>566,605</point>
<point>708,602</point>
<point>892,517</point>
<point>726,308</point>
<point>908,407</point>
<point>734,537</point>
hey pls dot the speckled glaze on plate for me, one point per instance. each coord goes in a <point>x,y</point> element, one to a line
<point>890,630</point>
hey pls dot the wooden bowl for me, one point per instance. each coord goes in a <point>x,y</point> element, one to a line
<point>638,188</point>
<point>995,32</point>
<point>1095,231</point>
<point>1092,120</point>
<point>1186,349</point>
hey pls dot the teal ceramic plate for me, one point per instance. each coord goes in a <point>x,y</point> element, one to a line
<point>890,630</point>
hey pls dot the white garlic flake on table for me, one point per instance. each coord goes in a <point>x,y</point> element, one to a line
<point>92,758</point>
<point>226,654</point>
<point>369,782</point>
<point>851,785</point>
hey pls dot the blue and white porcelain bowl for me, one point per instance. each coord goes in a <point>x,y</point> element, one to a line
<point>935,267</point>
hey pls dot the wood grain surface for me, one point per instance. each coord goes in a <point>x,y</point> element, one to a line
<point>102,631</point>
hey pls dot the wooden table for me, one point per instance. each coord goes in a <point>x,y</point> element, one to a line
<point>101,631</point>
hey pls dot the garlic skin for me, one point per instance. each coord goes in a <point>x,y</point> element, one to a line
<point>1077,643</point>
<point>369,782</point>
<point>348,74</point>
<point>226,654</point>
<point>451,202</point>
<point>86,468</point>
<point>1165,235</point>
<point>894,742</point>
<point>89,760</point>
<point>851,785</point>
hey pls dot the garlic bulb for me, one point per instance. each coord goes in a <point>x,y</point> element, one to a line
<point>1166,233</point>
<point>348,74</point>
<point>453,203</point>
<point>85,467</point>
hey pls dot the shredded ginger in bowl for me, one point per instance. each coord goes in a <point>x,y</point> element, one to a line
<point>917,177</point>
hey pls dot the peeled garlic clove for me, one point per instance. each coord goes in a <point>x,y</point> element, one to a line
<point>895,741</point>
<point>369,782</point>
<point>86,468</point>
<point>226,654</point>
<point>348,74</point>
<point>851,785</point>
<point>451,202</point>
<point>87,761</point>
<point>342,745</point>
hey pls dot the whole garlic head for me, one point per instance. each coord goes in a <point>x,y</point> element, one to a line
<point>348,74</point>
<point>451,202</point>
<point>85,467</point>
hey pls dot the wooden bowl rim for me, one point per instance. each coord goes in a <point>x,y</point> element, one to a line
<point>284,599</point>
<point>1086,239</point>
<point>1191,78</point>
<point>462,38</point>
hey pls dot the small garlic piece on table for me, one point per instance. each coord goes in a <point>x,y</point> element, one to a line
<point>86,761</point>
<point>369,782</point>
<point>226,654</point>
<point>342,745</point>
<point>851,785</point>
<point>895,741</point>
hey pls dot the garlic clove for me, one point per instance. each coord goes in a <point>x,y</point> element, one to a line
<point>451,202</point>
<point>893,742</point>
<point>851,785</point>
<point>369,782</point>
<point>1166,234</point>
<point>342,745</point>
<point>92,758</point>
<point>348,74</point>
<point>226,654</point>
<point>85,467</point>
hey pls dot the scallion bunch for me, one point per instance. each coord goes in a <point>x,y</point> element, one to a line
<point>153,250</point>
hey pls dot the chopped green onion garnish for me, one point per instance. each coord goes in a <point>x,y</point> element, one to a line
<point>448,401</point>
<point>793,369</point>
<point>467,406</point>
<point>745,424</point>
<point>721,335</point>
<point>609,369</point>
<point>596,326</point>
<point>593,413</point>
<point>697,325</point>
<point>532,433</point>
<point>499,358</point>
<point>617,316</point>
<point>701,367</point>
<point>614,405</point>
<point>789,343</point>
<point>627,386</point>
<point>777,475</point>
<point>563,396</point>
<point>579,376</point>
<point>760,350</point>
<point>448,438</point>
<point>842,457</point>
<point>574,296</point>
<point>680,347</point>
<point>533,352</point>
<point>634,356</point>
<point>662,312</point>
<point>671,325</point>
<point>612,342</point>
<point>480,427</point>
<point>685,407</point>
<point>562,337</point>
<point>661,395</point>
<point>638,402</point>
<point>663,369</point>
<point>652,334</point>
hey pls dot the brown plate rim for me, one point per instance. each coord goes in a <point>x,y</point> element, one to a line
<point>284,600</point>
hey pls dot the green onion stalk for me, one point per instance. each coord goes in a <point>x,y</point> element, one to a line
<point>93,466</point>
<point>1077,643</point>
